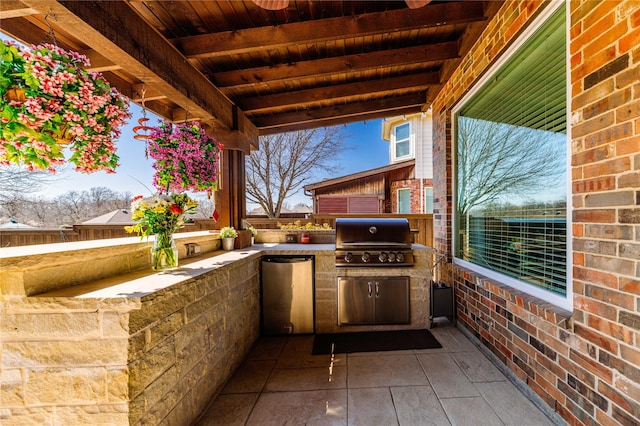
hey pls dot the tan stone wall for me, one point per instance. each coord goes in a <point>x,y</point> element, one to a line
<point>187,341</point>
<point>584,365</point>
<point>64,361</point>
<point>31,270</point>
<point>158,358</point>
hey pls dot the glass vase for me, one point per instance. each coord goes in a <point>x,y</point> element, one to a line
<point>164,253</point>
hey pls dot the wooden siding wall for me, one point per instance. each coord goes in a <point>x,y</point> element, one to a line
<point>335,204</point>
<point>364,186</point>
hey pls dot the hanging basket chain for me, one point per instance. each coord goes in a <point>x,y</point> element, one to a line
<point>50,33</point>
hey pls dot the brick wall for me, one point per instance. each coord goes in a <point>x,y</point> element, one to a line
<point>583,364</point>
<point>416,196</point>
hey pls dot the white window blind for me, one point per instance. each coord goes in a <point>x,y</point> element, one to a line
<point>511,165</point>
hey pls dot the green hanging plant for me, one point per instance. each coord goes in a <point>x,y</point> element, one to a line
<point>49,102</point>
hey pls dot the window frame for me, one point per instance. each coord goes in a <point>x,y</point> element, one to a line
<point>394,148</point>
<point>566,301</point>
<point>403,190</point>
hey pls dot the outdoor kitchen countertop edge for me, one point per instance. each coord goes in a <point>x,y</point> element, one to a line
<point>144,282</point>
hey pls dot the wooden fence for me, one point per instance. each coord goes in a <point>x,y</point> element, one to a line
<point>26,237</point>
<point>421,226</point>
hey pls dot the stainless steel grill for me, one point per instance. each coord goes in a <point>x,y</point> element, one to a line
<point>383,242</point>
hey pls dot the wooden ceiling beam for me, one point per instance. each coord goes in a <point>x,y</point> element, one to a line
<point>283,36</point>
<point>15,9</point>
<point>340,64</point>
<point>336,121</point>
<point>142,92</point>
<point>98,62</point>
<point>120,35</point>
<point>346,110</point>
<point>336,91</point>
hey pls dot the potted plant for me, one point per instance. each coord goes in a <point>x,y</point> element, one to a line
<point>254,233</point>
<point>50,102</point>
<point>228,235</point>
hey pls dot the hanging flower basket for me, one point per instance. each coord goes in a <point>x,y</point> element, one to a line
<point>186,158</point>
<point>49,102</point>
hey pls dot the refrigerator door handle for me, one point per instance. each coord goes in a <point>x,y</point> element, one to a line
<point>370,289</point>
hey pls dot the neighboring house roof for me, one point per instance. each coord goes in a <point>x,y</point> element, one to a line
<point>123,217</point>
<point>302,209</point>
<point>360,175</point>
<point>116,217</point>
<point>259,211</point>
<point>16,225</point>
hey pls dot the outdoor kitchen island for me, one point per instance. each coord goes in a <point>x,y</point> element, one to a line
<point>143,347</point>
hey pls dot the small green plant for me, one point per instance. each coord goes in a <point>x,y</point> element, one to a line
<point>253,230</point>
<point>297,225</point>
<point>228,232</point>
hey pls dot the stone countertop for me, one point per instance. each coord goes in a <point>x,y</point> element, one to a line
<point>144,282</point>
<point>297,248</point>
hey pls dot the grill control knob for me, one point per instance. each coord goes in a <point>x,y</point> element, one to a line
<point>382,257</point>
<point>400,257</point>
<point>366,256</point>
<point>348,257</point>
<point>392,257</point>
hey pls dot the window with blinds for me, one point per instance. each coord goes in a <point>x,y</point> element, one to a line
<point>511,165</point>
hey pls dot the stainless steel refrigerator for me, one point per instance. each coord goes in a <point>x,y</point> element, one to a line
<point>287,295</point>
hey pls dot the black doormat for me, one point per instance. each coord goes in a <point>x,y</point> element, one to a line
<point>374,341</point>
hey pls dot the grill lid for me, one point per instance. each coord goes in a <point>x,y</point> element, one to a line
<point>378,233</point>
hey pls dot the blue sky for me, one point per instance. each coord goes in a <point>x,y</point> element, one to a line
<point>368,150</point>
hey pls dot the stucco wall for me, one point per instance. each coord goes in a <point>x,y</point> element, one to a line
<point>584,364</point>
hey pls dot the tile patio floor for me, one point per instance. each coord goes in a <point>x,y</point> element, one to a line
<point>281,383</point>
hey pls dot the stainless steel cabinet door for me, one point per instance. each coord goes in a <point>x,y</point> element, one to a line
<point>392,300</point>
<point>355,300</point>
<point>373,300</point>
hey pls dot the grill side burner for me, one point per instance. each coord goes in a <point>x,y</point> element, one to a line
<point>383,242</point>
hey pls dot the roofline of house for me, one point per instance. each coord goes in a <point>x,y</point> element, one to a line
<point>387,123</point>
<point>359,175</point>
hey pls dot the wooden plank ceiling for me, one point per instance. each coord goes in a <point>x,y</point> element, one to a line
<point>249,71</point>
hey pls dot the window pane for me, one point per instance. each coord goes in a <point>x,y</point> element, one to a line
<point>403,138</point>
<point>402,132</point>
<point>511,165</point>
<point>428,200</point>
<point>402,149</point>
<point>404,201</point>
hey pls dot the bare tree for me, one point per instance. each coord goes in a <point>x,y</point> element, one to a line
<point>205,206</point>
<point>71,206</point>
<point>15,181</point>
<point>495,159</point>
<point>13,206</point>
<point>286,161</point>
<point>41,210</point>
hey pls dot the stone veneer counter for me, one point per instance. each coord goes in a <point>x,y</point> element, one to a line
<point>140,346</point>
